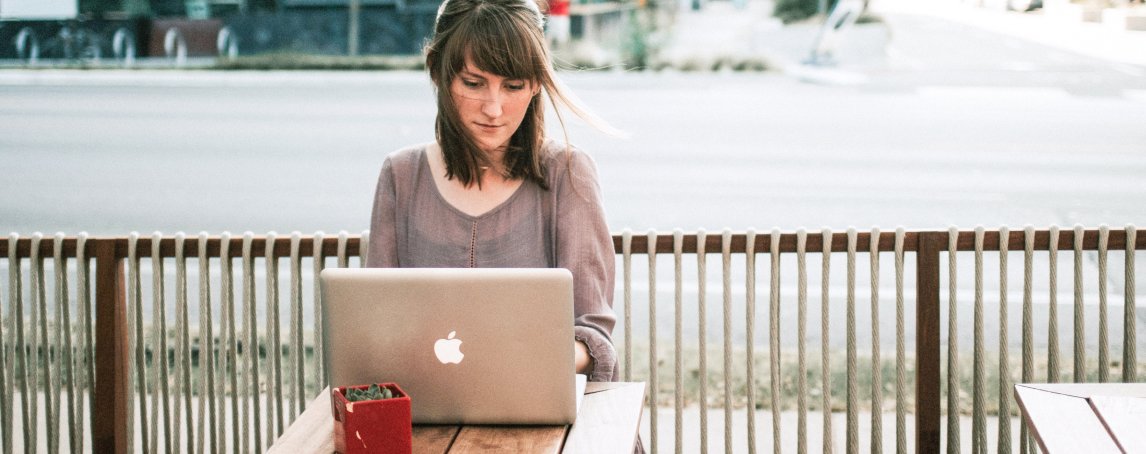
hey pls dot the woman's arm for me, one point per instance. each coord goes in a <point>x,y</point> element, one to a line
<point>585,248</point>
<point>583,362</point>
<point>382,250</point>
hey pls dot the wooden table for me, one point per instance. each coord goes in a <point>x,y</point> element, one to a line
<point>1085,417</point>
<point>607,423</point>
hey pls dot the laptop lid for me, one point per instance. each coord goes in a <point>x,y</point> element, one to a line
<point>470,346</point>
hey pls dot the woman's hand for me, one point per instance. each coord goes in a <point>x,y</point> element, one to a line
<point>582,360</point>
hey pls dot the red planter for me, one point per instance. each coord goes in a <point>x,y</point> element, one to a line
<point>372,426</point>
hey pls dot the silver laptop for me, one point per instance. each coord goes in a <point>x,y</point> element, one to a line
<point>470,346</point>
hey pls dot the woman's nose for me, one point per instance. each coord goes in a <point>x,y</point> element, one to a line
<point>491,106</point>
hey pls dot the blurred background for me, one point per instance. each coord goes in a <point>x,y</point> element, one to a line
<point>122,115</point>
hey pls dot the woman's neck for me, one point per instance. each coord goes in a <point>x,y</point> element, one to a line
<point>496,166</point>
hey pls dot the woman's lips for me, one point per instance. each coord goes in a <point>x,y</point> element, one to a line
<point>486,127</point>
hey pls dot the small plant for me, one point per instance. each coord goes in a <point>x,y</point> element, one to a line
<point>374,419</point>
<point>374,392</point>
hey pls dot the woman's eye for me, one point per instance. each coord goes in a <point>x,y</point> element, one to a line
<point>471,83</point>
<point>515,87</point>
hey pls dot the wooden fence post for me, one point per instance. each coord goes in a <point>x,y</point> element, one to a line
<point>109,402</point>
<point>928,417</point>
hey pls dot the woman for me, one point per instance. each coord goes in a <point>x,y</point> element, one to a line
<point>492,191</point>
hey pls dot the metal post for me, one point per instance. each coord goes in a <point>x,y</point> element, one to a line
<point>352,28</point>
<point>110,399</point>
<point>927,339</point>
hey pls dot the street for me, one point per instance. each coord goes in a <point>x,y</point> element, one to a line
<point>735,150</point>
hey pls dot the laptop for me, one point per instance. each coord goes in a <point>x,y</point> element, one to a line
<point>470,346</point>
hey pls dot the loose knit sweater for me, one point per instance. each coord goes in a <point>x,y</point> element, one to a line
<point>413,226</point>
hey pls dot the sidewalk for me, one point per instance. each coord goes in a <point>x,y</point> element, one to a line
<point>720,31</point>
<point>1091,39</point>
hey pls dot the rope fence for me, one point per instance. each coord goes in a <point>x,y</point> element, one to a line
<point>219,344</point>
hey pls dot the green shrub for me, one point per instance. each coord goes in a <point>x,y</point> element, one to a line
<point>790,11</point>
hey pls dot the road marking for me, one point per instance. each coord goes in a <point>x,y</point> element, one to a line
<point>1137,95</point>
<point>980,93</point>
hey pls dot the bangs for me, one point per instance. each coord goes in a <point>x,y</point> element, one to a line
<point>495,44</point>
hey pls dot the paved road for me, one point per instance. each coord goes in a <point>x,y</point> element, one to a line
<point>704,150</point>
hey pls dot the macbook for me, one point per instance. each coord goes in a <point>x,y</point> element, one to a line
<point>470,346</point>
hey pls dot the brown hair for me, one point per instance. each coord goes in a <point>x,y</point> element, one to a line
<point>506,38</point>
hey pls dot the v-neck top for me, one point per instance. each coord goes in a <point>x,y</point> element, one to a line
<point>413,226</point>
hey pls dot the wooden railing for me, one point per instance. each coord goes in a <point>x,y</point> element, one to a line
<point>124,359</point>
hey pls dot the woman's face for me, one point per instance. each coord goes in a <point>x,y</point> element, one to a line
<point>490,106</point>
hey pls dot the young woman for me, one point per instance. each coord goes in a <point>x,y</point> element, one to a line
<point>492,190</point>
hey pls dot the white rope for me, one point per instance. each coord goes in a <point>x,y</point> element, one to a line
<point>297,346</point>
<point>83,302</point>
<point>702,325</point>
<point>230,341</point>
<point>654,390</point>
<point>1026,441</point>
<point>1079,317</point>
<point>253,416</point>
<point>726,255</point>
<point>17,310</point>
<point>55,382</point>
<point>1129,349</point>
<point>900,350</point>
<point>39,335</point>
<point>318,380</point>
<point>801,335</point>
<point>978,396</point>
<point>627,255</point>
<point>161,392</point>
<point>853,397</point>
<point>135,341</point>
<point>214,399</point>
<point>13,346</point>
<point>825,335</point>
<point>1004,444</point>
<point>1103,341</point>
<point>182,351</point>
<point>343,242</point>
<point>876,375</point>
<point>217,361</point>
<point>206,354</point>
<point>678,348</point>
<point>1052,324</point>
<point>274,343</point>
<point>952,344</point>
<point>65,330</point>
<point>52,361</point>
<point>750,327</point>
<point>775,385</point>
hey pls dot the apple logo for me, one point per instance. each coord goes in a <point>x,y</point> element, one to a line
<point>448,350</point>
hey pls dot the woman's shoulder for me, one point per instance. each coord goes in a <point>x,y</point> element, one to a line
<point>559,156</point>
<point>406,158</point>
<point>569,167</point>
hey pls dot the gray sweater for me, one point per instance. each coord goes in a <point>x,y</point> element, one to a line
<point>414,227</point>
